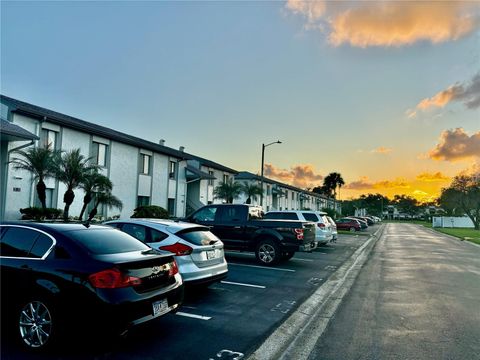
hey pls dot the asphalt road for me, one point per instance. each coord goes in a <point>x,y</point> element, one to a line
<point>227,320</point>
<point>417,297</point>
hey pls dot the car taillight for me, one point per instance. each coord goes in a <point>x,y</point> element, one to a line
<point>299,233</point>
<point>173,268</point>
<point>178,249</point>
<point>112,279</point>
<point>321,226</point>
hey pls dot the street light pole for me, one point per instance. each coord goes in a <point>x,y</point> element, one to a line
<point>263,161</point>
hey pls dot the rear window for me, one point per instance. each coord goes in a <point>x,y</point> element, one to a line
<point>310,217</point>
<point>197,236</point>
<point>281,216</point>
<point>107,241</point>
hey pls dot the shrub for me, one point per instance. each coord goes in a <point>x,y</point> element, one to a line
<point>36,213</point>
<point>150,211</point>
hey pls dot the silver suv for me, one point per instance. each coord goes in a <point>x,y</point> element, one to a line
<point>323,231</point>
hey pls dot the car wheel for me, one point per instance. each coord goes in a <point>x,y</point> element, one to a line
<point>268,253</point>
<point>36,324</point>
<point>352,229</point>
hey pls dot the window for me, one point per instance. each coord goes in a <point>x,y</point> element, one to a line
<point>173,170</point>
<point>143,201</point>
<point>106,241</point>
<point>48,138</point>
<point>268,190</point>
<point>100,154</point>
<point>137,231</point>
<point>22,242</point>
<point>171,207</point>
<point>225,178</point>
<point>293,195</point>
<point>145,164</point>
<point>205,214</point>
<point>198,236</point>
<point>310,217</point>
<point>232,213</point>
<point>157,236</point>
<point>210,181</point>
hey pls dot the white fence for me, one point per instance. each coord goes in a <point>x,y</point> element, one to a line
<point>452,222</point>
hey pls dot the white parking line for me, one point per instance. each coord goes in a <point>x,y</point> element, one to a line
<point>261,267</point>
<point>242,284</point>
<point>302,259</point>
<point>199,317</point>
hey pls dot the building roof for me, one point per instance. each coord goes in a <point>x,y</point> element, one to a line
<point>54,117</point>
<point>13,132</point>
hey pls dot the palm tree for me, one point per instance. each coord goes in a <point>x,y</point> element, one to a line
<point>251,191</point>
<point>105,198</point>
<point>71,170</point>
<point>228,191</point>
<point>40,162</point>
<point>332,181</point>
<point>93,183</point>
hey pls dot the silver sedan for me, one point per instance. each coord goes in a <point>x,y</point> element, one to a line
<point>198,252</point>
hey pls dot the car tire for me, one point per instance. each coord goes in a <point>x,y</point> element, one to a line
<point>36,324</point>
<point>268,252</point>
<point>352,229</point>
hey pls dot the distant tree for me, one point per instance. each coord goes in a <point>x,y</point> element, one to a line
<point>251,191</point>
<point>71,169</point>
<point>40,162</point>
<point>228,191</point>
<point>374,203</point>
<point>348,207</point>
<point>93,183</point>
<point>406,204</point>
<point>463,196</point>
<point>333,181</point>
<point>107,199</point>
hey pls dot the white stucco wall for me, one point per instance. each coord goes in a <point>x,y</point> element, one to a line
<point>124,175</point>
<point>160,180</point>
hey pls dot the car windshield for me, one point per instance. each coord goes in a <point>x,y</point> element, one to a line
<point>106,241</point>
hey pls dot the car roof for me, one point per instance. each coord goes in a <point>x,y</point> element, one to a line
<point>58,226</point>
<point>172,225</point>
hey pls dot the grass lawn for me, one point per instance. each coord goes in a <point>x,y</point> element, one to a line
<point>462,233</point>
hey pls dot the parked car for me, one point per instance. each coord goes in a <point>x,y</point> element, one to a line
<point>241,227</point>
<point>323,230</point>
<point>334,229</point>
<point>363,223</point>
<point>198,252</point>
<point>60,278</point>
<point>348,224</point>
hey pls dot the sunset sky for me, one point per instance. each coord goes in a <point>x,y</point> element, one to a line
<point>386,93</point>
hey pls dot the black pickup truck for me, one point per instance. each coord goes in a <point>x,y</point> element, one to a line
<point>240,227</point>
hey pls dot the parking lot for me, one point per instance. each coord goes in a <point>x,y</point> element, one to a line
<point>226,320</point>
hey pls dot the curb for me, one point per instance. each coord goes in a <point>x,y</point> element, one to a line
<point>296,337</point>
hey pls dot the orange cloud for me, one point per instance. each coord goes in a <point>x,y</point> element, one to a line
<point>456,145</point>
<point>428,177</point>
<point>468,93</point>
<point>299,175</point>
<point>385,23</point>
<point>365,184</point>
<point>382,150</point>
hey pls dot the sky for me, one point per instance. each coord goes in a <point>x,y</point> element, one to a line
<point>386,93</point>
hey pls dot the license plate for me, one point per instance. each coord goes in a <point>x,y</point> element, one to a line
<point>160,307</point>
<point>210,254</point>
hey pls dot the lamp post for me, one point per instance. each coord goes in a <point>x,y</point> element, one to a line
<point>263,158</point>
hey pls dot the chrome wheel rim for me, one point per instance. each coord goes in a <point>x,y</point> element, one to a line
<point>35,324</point>
<point>352,229</point>
<point>266,253</point>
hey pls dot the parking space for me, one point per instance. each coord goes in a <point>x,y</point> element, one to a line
<point>233,316</point>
